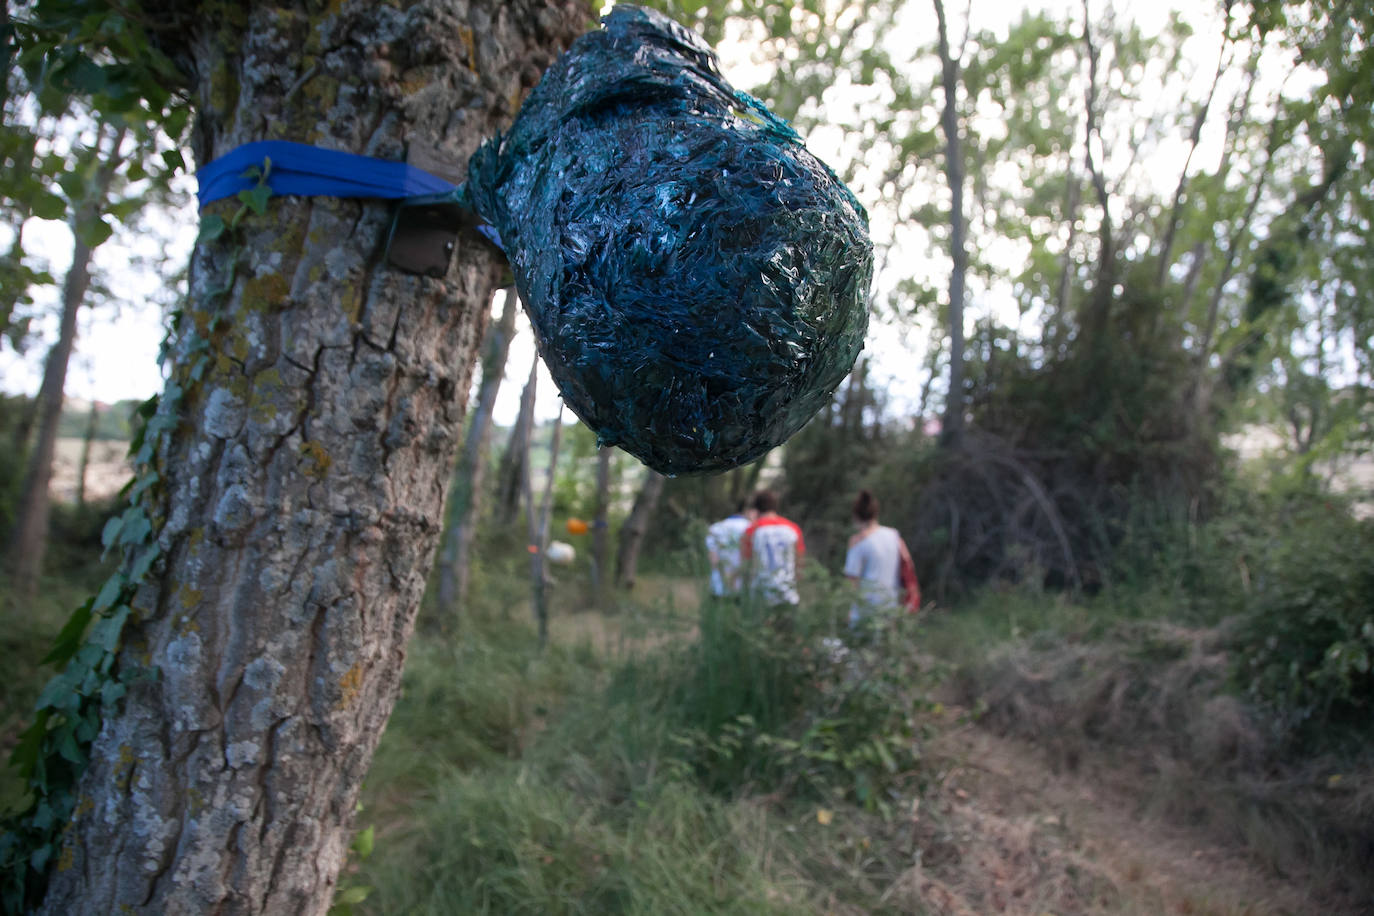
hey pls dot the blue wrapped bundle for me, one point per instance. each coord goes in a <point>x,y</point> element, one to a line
<point>696,279</point>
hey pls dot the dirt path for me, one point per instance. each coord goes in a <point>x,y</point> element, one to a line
<point>1006,833</point>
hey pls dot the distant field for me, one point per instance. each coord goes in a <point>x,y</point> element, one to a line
<point>106,473</point>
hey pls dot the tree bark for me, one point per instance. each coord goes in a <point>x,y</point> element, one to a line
<point>303,479</point>
<point>465,501</point>
<point>952,428</point>
<point>601,526</point>
<point>1166,249</point>
<point>633,531</point>
<point>29,542</point>
<point>1099,304</point>
<point>537,520</point>
<point>86,440</point>
<point>510,479</point>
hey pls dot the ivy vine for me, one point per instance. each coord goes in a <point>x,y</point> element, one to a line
<point>53,752</point>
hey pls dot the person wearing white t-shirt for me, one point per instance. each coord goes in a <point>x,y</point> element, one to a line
<point>772,549</point>
<point>723,541</point>
<point>873,561</point>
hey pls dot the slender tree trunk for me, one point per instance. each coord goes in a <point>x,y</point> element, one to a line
<point>30,538</point>
<point>1073,197</point>
<point>85,462</point>
<point>635,527</point>
<point>601,526</point>
<point>303,478</point>
<point>510,480</point>
<point>465,500</point>
<point>1194,136</point>
<point>1235,241</point>
<point>1100,303</point>
<point>538,524</point>
<point>952,428</point>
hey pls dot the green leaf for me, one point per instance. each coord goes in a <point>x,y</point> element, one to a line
<point>212,227</point>
<point>352,895</point>
<point>73,183</point>
<point>174,160</point>
<point>69,639</point>
<point>136,527</point>
<point>105,633</point>
<point>95,232</point>
<point>109,535</point>
<point>111,692</point>
<point>69,750</point>
<point>175,123</point>
<point>256,198</point>
<point>109,592</point>
<point>39,860</point>
<point>362,843</point>
<point>144,563</point>
<point>27,752</point>
<point>59,692</point>
<point>49,206</point>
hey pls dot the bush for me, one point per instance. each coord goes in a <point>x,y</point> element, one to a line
<point>1306,646</point>
<point>793,702</point>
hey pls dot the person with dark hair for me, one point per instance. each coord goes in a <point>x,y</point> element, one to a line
<point>772,548</point>
<point>723,541</point>
<point>878,562</point>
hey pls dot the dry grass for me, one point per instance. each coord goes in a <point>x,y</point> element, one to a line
<point>1149,704</point>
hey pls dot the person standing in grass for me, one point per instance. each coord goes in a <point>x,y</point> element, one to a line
<point>874,563</point>
<point>772,549</point>
<point>723,542</point>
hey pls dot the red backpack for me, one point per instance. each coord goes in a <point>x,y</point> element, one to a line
<point>909,587</point>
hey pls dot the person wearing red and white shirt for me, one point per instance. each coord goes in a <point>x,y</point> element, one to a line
<point>772,548</point>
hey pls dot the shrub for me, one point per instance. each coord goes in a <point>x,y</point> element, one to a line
<point>792,702</point>
<point>1306,646</point>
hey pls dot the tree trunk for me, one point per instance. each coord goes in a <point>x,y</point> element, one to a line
<point>952,428</point>
<point>538,523</point>
<point>1166,251</point>
<point>1098,317</point>
<point>84,464</point>
<point>30,539</point>
<point>465,500</point>
<point>303,479</point>
<point>633,531</point>
<point>510,479</point>
<point>601,526</point>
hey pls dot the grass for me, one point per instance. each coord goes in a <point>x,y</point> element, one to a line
<point>593,778</point>
<point>1145,686</point>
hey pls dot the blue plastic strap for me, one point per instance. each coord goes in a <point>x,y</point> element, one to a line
<point>309,171</point>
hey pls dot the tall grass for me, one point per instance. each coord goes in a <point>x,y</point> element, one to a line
<point>594,779</point>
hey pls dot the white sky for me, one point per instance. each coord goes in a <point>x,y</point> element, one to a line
<point>116,353</point>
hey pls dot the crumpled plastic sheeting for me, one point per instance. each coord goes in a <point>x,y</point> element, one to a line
<point>697,280</point>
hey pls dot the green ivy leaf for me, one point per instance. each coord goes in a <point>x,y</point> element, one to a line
<point>109,593</point>
<point>109,535</point>
<point>60,691</point>
<point>256,199</point>
<point>144,563</point>
<point>111,692</point>
<point>212,227</point>
<point>105,633</point>
<point>27,752</point>
<point>69,639</point>
<point>136,527</point>
<point>69,750</point>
